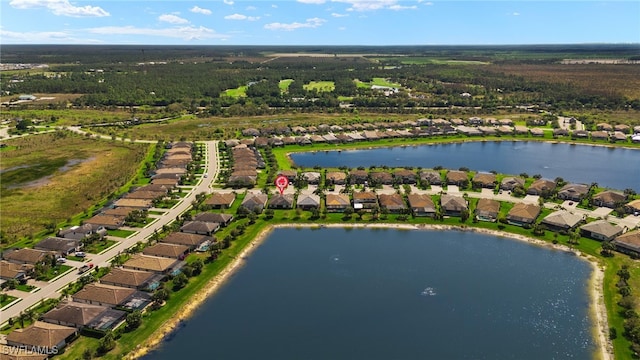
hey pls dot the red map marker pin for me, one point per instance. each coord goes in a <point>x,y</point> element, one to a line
<point>281,183</point>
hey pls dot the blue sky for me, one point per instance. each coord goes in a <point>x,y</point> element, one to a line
<point>318,22</point>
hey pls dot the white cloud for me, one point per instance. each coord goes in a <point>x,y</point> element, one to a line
<point>342,28</point>
<point>309,23</point>
<point>339,15</point>
<point>172,19</point>
<point>428,3</point>
<point>184,32</point>
<point>228,2</point>
<point>45,37</point>
<point>198,10</point>
<point>251,8</point>
<point>312,1</point>
<point>274,6</point>
<point>241,17</point>
<point>60,7</point>
<point>401,7</point>
<point>371,5</point>
<point>516,14</point>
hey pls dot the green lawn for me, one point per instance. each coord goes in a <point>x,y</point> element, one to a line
<point>54,272</point>
<point>99,246</point>
<point>6,299</point>
<point>25,287</point>
<point>284,85</point>
<point>320,86</point>
<point>120,233</point>
<point>237,92</point>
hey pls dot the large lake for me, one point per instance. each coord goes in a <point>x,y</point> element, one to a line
<point>616,168</point>
<point>389,294</point>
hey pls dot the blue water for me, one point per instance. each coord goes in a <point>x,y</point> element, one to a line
<point>389,294</point>
<point>615,168</point>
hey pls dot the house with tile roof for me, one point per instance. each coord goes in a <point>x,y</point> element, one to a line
<point>562,220</point>
<point>421,205</point>
<point>522,214</point>
<point>487,210</point>
<point>600,230</point>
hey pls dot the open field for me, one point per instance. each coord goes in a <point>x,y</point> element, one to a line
<point>377,81</point>
<point>51,177</point>
<point>237,92</point>
<point>45,98</point>
<point>68,117</point>
<point>284,85</point>
<point>320,86</point>
<point>593,78</point>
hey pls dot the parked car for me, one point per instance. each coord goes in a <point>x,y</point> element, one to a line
<point>80,254</point>
<point>84,268</point>
<point>61,260</point>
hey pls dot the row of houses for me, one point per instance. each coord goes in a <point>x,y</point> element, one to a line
<point>246,162</point>
<point>166,178</point>
<point>420,128</point>
<point>540,187</point>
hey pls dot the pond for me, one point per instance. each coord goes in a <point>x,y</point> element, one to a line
<point>338,293</point>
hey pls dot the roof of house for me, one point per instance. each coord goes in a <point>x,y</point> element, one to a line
<point>22,354</point>
<point>308,200</point>
<point>578,189</point>
<point>11,270</point>
<point>456,175</point>
<point>120,211</point>
<point>199,226</point>
<point>186,239</point>
<point>381,176</point>
<point>337,200</point>
<point>488,206</point>
<point>219,218</point>
<point>543,184</point>
<point>602,227</point>
<point>629,240</point>
<point>145,195</point>
<point>359,173</point>
<point>107,294</point>
<point>74,312</point>
<point>421,201</point>
<point>453,202</point>
<point>153,263</point>
<point>364,195</point>
<point>311,175</point>
<point>635,204</point>
<point>26,255</point>
<point>513,181</point>
<point>609,196</point>
<point>41,334</point>
<point>522,211</point>
<point>166,250</point>
<point>58,244</point>
<point>431,175</point>
<point>562,218</point>
<point>136,203</point>
<point>253,199</point>
<point>336,175</point>
<point>218,199</point>
<point>127,277</point>
<point>484,178</point>
<point>105,220</point>
<point>392,201</point>
<point>85,229</point>
<point>281,200</point>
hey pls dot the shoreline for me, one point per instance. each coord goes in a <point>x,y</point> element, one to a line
<point>597,308</point>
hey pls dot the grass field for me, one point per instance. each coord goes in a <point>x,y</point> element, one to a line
<point>237,92</point>
<point>51,177</point>
<point>284,85</point>
<point>68,117</point>
<point>377,81</point>
<point>320,86</point>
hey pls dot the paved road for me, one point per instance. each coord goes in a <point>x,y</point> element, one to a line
<point>52,289</point>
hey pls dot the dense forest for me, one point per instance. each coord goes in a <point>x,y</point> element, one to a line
<point>197,79</point>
